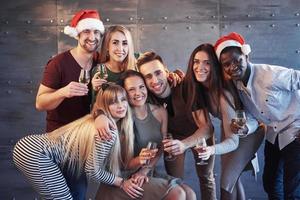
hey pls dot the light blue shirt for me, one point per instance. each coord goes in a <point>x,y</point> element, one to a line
<point>272,95</point>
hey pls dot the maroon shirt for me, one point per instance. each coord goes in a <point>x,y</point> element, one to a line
<point>59,72</point>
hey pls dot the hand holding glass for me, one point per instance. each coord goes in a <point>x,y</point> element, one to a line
<point>201,143</point>
<point>102,71</point>
<point>150,146</point>
<point>169,156</point>
<point>84,76</point>
<point>240,119</point>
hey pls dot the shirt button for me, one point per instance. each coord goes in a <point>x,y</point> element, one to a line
<point>262,112</point>
<point>267,100</point>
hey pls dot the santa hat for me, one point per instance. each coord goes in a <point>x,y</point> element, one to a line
<point>84,19</point>
<point>231,40</point>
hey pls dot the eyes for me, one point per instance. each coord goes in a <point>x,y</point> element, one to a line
<point>141,87</point>
<point>117,42</point>
<point>204,62</point>
<point>156,73</point>
<point>231,62</point>
<point>89,31</point>
<point>119,100</point>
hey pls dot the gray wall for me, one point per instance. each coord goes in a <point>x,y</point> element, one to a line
<point>31,32</point>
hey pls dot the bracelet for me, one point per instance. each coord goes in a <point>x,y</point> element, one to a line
<point>122,183</point>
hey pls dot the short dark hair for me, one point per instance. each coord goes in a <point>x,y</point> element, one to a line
<point>148,57</point>
<point>127,74</point>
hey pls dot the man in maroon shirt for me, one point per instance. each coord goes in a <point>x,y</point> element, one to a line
<point>60,94</point>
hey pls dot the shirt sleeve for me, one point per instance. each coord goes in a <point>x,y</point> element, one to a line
<point>95,165</point>
<point>251,123</point>
<point>230,140</point>
<point>52,75</point>
<point>229,144</point>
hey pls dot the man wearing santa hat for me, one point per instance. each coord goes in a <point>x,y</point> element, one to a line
<point>60,93</point>
<point>272,94</point>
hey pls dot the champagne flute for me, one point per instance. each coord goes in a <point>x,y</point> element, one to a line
<point>150,146</point>
<point>240,119</point>
<point>84,76</point>
<point>201,143</point>
<point>169,156</point>
<point>103,72</point>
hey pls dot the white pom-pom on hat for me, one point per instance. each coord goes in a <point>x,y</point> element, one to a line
<point>68,30</point>
<point>231,40</point>
<point>246,49</point>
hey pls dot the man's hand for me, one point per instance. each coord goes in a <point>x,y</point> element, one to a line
<point>176,77</point>
<point>174,147</point>
<point>74,89</point>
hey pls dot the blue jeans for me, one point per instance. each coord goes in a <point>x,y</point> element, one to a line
<point>77,186</point>
<point>281,175</point>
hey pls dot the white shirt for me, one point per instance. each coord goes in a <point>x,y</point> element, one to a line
<point>272,95</point>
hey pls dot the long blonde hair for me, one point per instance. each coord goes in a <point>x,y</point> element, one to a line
<point>107,96</point>
<point>78,142</point>
<point>130,61</point>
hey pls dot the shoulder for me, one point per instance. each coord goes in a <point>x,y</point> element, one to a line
<point>159,112</point>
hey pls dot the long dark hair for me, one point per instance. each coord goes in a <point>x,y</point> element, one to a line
<point>215,83</point>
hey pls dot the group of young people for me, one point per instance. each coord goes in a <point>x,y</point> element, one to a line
<point>101,130</point>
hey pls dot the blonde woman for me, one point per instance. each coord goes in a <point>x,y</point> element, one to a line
<point>78,149</point>
<point>116,56</point>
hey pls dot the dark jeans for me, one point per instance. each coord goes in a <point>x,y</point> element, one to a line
<point>78,186</point>
<point>281,175</point>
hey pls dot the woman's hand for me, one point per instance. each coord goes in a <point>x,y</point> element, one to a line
<point>206,152</point>
<point>103,126</point>
<point>147,154</point>
<point>237,129</point>
<point>140,178</point>
<point>97,81</point>
<point>132,189</point>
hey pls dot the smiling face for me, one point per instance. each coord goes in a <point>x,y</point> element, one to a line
<point>118,107</point>
<point>89,40</point>
<point>136,90</point>
<point>118,47</point>
<point>155,76</point>
<point>202,67</point>
<point>234,63</point>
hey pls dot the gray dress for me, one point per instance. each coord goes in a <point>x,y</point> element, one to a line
<point>159,184</point>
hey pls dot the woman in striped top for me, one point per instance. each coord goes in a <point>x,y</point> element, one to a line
<point>78,149</point>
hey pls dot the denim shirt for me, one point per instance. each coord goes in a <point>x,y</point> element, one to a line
<point>272,95</point>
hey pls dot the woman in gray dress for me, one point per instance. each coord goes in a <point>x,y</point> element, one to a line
<point>150,124</point>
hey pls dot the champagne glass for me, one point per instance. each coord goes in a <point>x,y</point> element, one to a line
<point>84,76</point>
<point>150,146</point>
<point>240,119</point>
<point>201,143</point>
<point>169,156</point>
<point>103,72</point>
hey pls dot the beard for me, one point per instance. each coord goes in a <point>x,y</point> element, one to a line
<point>88,47</point>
